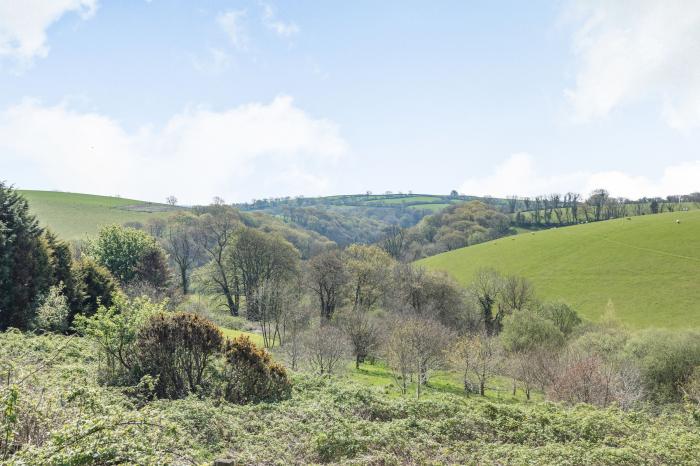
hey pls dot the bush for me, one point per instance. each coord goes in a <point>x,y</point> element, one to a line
<point>177,349</point>
<point>97,286</point>
<point>250,375</point>
<point>53,313</point>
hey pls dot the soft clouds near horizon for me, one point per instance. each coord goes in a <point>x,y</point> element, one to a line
<point>274,148</point>
<point>520,175</point>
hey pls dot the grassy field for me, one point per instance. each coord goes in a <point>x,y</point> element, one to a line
<point>648,267</point>
<point>74,216</point>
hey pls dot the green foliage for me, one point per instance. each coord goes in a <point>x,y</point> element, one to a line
<point>114,330</point>
<point>177,350</point>
<point>97,285</point>
<point>249,375</point>
<point>25,268</point>
<point>666,360</point>
<point>325,420</point>
<point>524,331</point>
<point>562,315</point>
<point>130,255</point>
<point>53,313</point>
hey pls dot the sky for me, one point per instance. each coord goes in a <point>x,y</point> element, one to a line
<point>250,99</point>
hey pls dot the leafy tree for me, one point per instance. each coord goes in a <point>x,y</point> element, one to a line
<point>25,268</point>
<point>260,257</point>
<point>326,276</point>
<point>130,255</point>
<point>562,315</point>
<point>368,269</point>
<point>53,313</point>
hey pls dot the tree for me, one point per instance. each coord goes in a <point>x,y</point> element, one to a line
<point>325,347</point>
<point>394,242</point>
<point>564,317</point>
<point>532,342</point>
<point>130,255</point>
<point>598,199</point>
<point>368,268</point>
<point>416,346</point>
<point>182,248</point>
<point>214,234</point>
<point>171,200</point>
<point>326,276</point>
<point>297,321</point>
<point>486,290</point>
<point>260,257</point>
<point>479,355</point>
<point>363,332</point>
<point>431,294</point>
<point>25,271</point>
<point>274,299</point>
<point>517,294</point>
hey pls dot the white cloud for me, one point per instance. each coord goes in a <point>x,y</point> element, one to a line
<point>196,155</point>
<point>519,175</point>
<point>23,25</point>
<point>636,50</point>
<point>213,62</point>
<point>232,24</point>
<point>281,28</point>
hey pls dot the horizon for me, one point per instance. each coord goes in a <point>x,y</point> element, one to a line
<point>253,100</point>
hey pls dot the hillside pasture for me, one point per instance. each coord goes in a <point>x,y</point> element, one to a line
<point>74,216</point>
<point>647,267</point>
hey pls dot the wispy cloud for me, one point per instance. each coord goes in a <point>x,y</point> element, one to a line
<point>284,29</point>
<point>232,23</point>
<point>23,26</point>
<point>628,51</point>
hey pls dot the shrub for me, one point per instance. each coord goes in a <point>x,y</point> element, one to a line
<point>250,375</point>
<point>177,349</point>
<point>114,330</point>
<point>53,313</point>
<point>97,286</point>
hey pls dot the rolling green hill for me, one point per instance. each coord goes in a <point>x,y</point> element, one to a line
<point>648,266</point>
<point>73,216</point>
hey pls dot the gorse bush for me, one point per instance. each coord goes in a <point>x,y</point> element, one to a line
<point>249,375</point>
<point>177,349</point>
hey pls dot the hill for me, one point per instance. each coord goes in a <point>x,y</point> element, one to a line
<point>73,216</point>
<point>648,266</point>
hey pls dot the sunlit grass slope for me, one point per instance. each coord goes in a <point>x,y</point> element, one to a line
<point>648,266</point>
<point>74,216</point>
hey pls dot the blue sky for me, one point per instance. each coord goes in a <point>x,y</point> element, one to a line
<point>257,99</point>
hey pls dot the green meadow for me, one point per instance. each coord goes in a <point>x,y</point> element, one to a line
<point>648,267</point>
<point>74,216</point>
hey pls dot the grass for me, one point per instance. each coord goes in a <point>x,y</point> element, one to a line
<point>231,333</point>
<point>74,216</point>
<point>647,267</point>
<point>379,376</point>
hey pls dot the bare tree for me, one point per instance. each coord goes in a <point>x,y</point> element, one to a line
<point>479,356</point>
<point>181,246</point>
<point>297,321</point>
<point>214,234</point>
<point>486,289</point>
<point>325,348</point>
<point>395,242</point>
<point>171,200</point>
<point>363,333</point>
<point>416,346</point>
<point>517,294</point>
